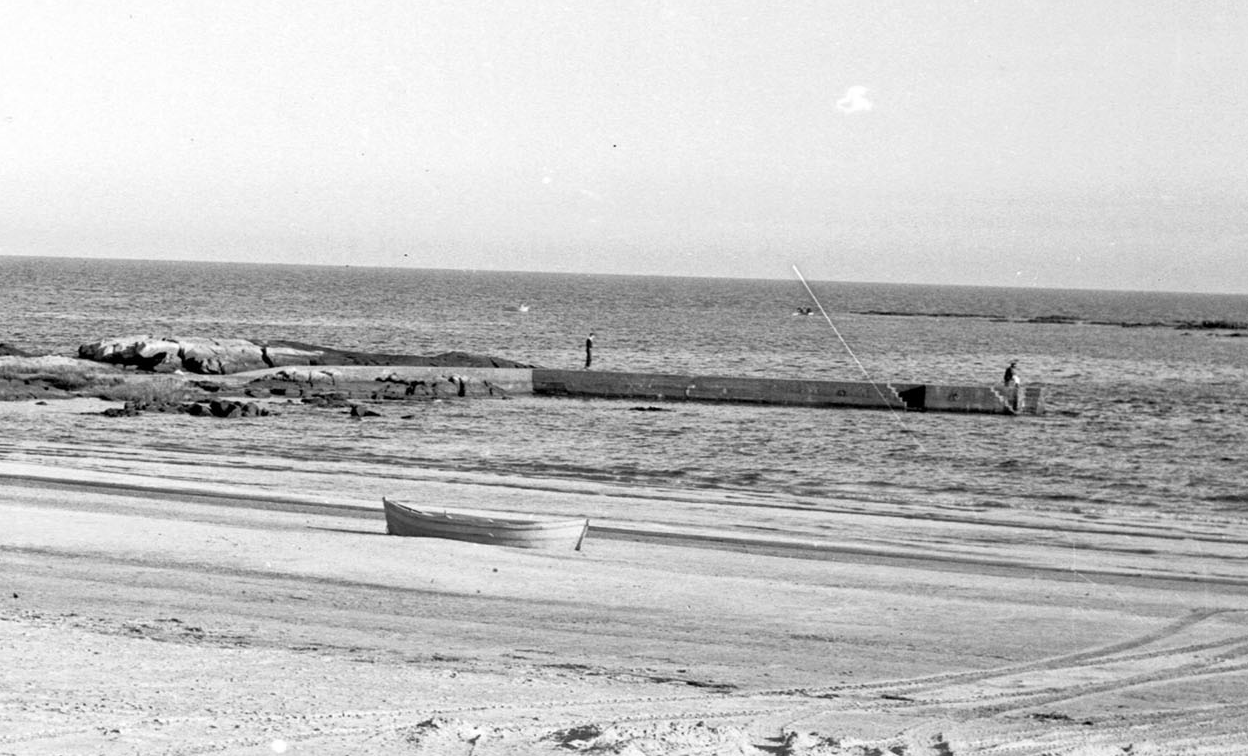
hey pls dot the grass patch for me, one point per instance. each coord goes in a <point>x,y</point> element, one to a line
<point>145,389</point>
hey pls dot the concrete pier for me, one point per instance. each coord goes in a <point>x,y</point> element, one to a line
<point>398,383</point>
<point>794,392</point>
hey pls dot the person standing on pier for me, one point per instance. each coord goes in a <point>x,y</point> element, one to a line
<point>1014,385</point>
<point>589,350</point>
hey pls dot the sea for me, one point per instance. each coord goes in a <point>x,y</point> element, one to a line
<point>1146,392</point>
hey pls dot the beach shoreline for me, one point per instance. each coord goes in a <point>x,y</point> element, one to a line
<point>153,608</point>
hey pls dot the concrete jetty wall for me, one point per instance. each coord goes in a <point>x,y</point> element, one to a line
<point>794,392</point>
<point>671,387</point>
<point>984,399</point>
<point>391,382</point>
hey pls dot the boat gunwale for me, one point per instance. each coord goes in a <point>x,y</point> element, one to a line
<point>486,526</point>
<point>492,517</point>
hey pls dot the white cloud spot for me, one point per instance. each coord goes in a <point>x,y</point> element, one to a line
<point>854,101</point>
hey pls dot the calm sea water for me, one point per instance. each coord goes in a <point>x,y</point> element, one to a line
<point>1143,413</point>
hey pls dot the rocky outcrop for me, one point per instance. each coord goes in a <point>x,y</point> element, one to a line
<point>214,408</point>
<point>222,356</point>
<point>226,356</point>
<point>205,356</point>
<point>280,354</point>
<point>143,352</point>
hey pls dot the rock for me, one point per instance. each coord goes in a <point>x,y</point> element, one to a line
<point>130,409</point>
<point>119,351</point>
<point>139,406</point>
<point>161,355</point>
<point>329,399</point>
<point>467,359</point>
<point>279,355</point>
<point>229,409</point>
<point>221,356</point>
<point>196,355</point>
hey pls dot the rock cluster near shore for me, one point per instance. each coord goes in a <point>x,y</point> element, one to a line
<point>214,408</point>
<point>225,356</point>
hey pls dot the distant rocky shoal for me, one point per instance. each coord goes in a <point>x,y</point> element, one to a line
<point>225,356</point>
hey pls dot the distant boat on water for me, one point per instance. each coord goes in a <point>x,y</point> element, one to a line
<point>485,526</point>
<point>522,307</point>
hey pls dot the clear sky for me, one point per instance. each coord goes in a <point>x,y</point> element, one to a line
<point>1055,144</point>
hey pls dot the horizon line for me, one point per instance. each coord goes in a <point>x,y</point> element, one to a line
<point>376,266</point>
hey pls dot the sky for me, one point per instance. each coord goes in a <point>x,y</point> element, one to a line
<point>1036,144</point>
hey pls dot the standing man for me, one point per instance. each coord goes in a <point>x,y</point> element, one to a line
<point>589,349</point>
<point>1011,374</point>
<point>1013,384</point>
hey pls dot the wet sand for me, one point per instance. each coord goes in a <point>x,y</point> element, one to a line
<point>159,608</point>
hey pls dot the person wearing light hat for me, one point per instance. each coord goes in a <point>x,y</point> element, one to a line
<point>1011,374</point>
<point>1014,384</point>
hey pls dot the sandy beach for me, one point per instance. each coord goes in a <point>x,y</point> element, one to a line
<point>160,608</point>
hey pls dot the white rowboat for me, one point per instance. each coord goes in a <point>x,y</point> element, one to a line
<point>485,526</point>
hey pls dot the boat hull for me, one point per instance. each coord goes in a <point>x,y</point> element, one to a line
<point>485,526</point>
